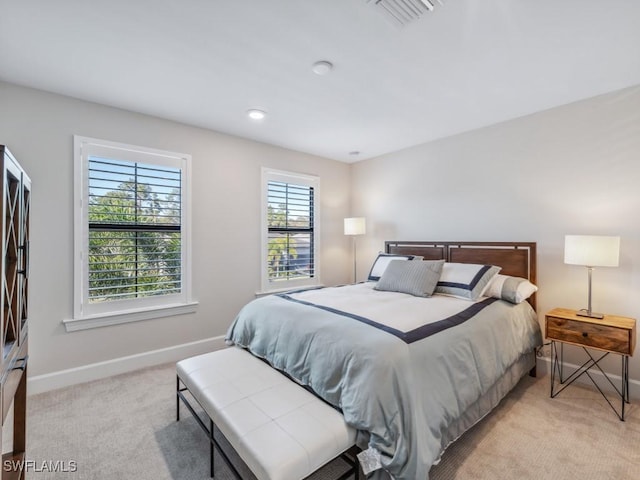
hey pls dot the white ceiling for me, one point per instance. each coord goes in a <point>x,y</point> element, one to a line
<point>467,64</point>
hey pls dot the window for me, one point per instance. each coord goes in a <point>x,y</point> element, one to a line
<point>290,230</point>
<point>132,233</point>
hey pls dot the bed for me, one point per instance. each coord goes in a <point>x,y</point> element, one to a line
<point>410,373</point>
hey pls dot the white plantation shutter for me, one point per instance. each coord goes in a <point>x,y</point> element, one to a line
<point>131,233</point>
<point>290,240</point>
<point>134,230</point>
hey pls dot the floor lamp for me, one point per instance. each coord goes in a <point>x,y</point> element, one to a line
<point>591,251</point>
<point>354,226</point>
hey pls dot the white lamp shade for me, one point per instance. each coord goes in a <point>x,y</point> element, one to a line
<point>591,250</point>
<point>355,226</point>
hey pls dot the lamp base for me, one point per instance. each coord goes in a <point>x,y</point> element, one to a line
<point>586,313</point>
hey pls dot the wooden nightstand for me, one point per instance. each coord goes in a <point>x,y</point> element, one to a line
<point>612,334</point>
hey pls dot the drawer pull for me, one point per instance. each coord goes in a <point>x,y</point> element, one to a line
<point>585,334</point>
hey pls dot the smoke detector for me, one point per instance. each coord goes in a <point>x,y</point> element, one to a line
<point>322,67</point>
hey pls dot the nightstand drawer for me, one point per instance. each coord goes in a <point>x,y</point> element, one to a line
<point>605,337</point>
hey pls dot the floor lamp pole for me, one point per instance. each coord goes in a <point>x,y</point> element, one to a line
<point>354,260</point>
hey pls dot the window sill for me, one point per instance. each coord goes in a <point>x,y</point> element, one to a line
<point>128,316</point>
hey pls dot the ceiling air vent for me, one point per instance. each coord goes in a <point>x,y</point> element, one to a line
<point>404,11</point>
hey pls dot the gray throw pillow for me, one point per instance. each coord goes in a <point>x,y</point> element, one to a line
<point>418,278</point>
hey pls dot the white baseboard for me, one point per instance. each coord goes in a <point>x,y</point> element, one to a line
<point>544,367</point>
<point>95,371</point>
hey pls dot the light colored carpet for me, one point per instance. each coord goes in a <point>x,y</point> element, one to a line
<point>124,427</point>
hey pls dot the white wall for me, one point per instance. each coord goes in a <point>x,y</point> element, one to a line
<point>573,169</point>
<point>38,128</point>
<point>570,170</point>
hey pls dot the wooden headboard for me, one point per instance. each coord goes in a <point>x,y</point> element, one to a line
<point>517,259</point>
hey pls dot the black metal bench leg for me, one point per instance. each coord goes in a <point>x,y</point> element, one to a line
<point>177,398</point>
<point>211,449</point>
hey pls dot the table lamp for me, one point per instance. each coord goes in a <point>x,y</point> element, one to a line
<point>591,251</point>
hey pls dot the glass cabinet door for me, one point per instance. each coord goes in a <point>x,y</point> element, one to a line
<point>11,288</point>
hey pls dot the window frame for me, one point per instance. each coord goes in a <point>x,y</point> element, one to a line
<point>273,175</point>
<point>89,315</point>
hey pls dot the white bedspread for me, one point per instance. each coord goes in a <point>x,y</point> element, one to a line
<point>396,310</point>
<point>405,371</point>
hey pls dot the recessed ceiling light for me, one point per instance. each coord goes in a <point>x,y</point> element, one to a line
<point>255,114</point>
<point>322,67</point>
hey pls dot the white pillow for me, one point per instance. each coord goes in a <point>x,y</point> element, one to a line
<point>465,280</point>
<point>511,289</point>
<point>381,262</point>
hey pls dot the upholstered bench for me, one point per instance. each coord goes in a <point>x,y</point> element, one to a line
<point>279,429</point>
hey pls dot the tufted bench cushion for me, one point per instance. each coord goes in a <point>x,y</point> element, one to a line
<point>278,428</point>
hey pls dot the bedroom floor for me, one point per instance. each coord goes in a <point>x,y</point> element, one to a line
<point>124,427</point>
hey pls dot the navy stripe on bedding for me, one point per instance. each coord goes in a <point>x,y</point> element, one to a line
<point>411,336</point>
